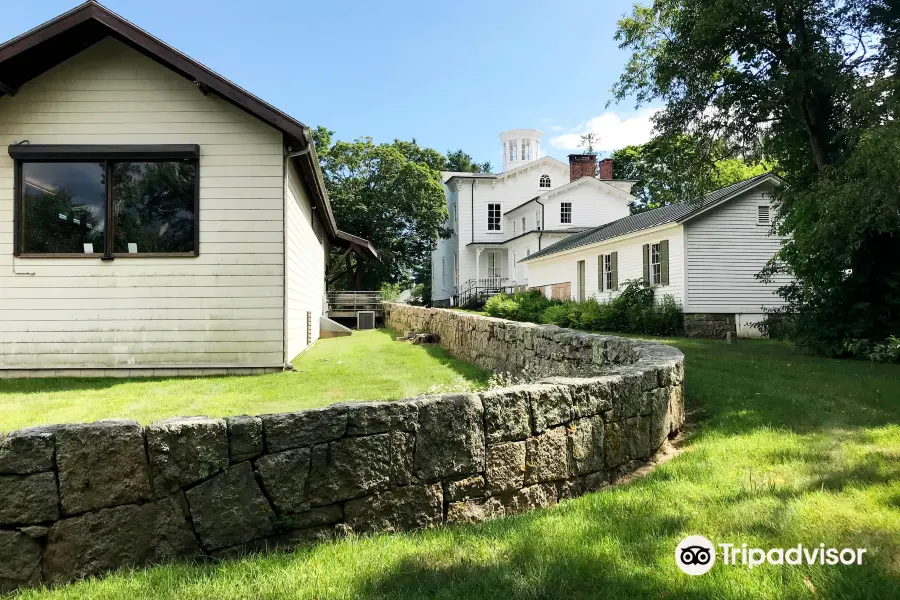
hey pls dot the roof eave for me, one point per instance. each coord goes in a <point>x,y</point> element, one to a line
<point>296,134</point>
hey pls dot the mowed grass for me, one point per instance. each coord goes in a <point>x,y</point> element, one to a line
<point>369,365</point>
<point>785,449</point>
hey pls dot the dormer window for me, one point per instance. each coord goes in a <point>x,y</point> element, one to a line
<point>545,181</point>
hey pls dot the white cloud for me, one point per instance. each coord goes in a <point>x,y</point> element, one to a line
<point>614,131</point>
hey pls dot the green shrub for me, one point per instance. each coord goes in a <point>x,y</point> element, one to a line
<point>885,352</point>
<point>532,305</point>
<point>664,318</point>
<point>632,311</point>
<point>557,314</point>
<point>502,306</point>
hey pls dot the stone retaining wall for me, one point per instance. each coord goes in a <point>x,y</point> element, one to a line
<point>78,500</point>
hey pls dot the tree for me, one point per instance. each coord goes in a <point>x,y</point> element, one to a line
<point>390,194</point>
<point>461,162</point>
<point>810,84</point>
<point>667,171</point>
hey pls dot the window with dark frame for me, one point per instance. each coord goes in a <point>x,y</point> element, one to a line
<point>108,202</point>
<point>565,215</point>
<point>493,217</point>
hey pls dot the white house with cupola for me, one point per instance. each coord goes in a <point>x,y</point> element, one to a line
<point>499,219</point>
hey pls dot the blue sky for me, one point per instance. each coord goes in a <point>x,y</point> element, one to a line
<point>451,74</point>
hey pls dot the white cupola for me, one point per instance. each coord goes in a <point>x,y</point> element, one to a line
<point>520,146</point>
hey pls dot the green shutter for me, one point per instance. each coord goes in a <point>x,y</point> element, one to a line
<point>664,262</point>
<point>646,264</point>
<point>600,272</point>
<point>615,270</point>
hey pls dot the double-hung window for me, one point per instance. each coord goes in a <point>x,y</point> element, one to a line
<point>565,212</point>
<point>493,220</point>
<point>655,265</point>
<point>607,272</point>
<point>523,224</point>
<point>106,201</point>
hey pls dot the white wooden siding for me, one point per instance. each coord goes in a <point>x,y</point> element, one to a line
<point>223,308</point>
<point>725,250</point>
<point>562,268</point>
<point>305,274</point>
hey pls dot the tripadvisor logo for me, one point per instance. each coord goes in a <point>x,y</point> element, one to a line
<point>696,555</point>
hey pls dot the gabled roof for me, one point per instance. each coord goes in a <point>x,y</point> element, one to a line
<point>573,184</point>
<point>37,51</point>
<point>673,213</point>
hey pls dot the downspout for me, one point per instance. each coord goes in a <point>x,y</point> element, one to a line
<point>543,224</point>
<point>288,155</point>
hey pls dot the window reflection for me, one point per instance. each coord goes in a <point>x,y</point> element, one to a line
<point>63,208</point>
<point>153,207</point>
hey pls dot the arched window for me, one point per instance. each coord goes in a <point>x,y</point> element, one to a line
<point>545,181</point>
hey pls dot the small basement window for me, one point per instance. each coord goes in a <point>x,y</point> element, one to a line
<point>762,215</point>
<point>106,201</point>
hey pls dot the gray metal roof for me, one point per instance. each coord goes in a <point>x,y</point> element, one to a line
<point>673,213</point>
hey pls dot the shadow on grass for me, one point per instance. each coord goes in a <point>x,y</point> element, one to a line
<point>462,368</point>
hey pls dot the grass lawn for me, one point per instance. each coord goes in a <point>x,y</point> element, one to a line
<point>787,449</point>
<point>369,365</point>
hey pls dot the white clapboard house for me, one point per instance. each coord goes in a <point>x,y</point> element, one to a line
<point>705,255</point>
<point>497,220</point>
<point>154,217</point>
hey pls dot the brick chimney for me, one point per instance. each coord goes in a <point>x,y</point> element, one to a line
<point>582,165</point>
<point>606,171</point>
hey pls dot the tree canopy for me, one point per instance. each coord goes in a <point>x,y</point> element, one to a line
<point>668,170</point>
<point>392,195</point>
<point>811,85</point>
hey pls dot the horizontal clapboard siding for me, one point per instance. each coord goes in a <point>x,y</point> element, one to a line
<point>725,250</point>
<point>305,268</point>
<point>562,268</point>
<point>223,308</point>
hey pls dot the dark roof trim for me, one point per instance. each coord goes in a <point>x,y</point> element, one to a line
<point>472,176</point>
<point>297,135</point>
<point>362,247</point>
<point>108,151</point>
<point>159,51</point>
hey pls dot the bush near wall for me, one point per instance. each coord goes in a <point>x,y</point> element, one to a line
<point>632,311</point>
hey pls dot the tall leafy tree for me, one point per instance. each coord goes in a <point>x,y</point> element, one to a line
<point>461,162</point>
<point>390,194</point>
<point>668,170</point>
<point>811,84</point>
